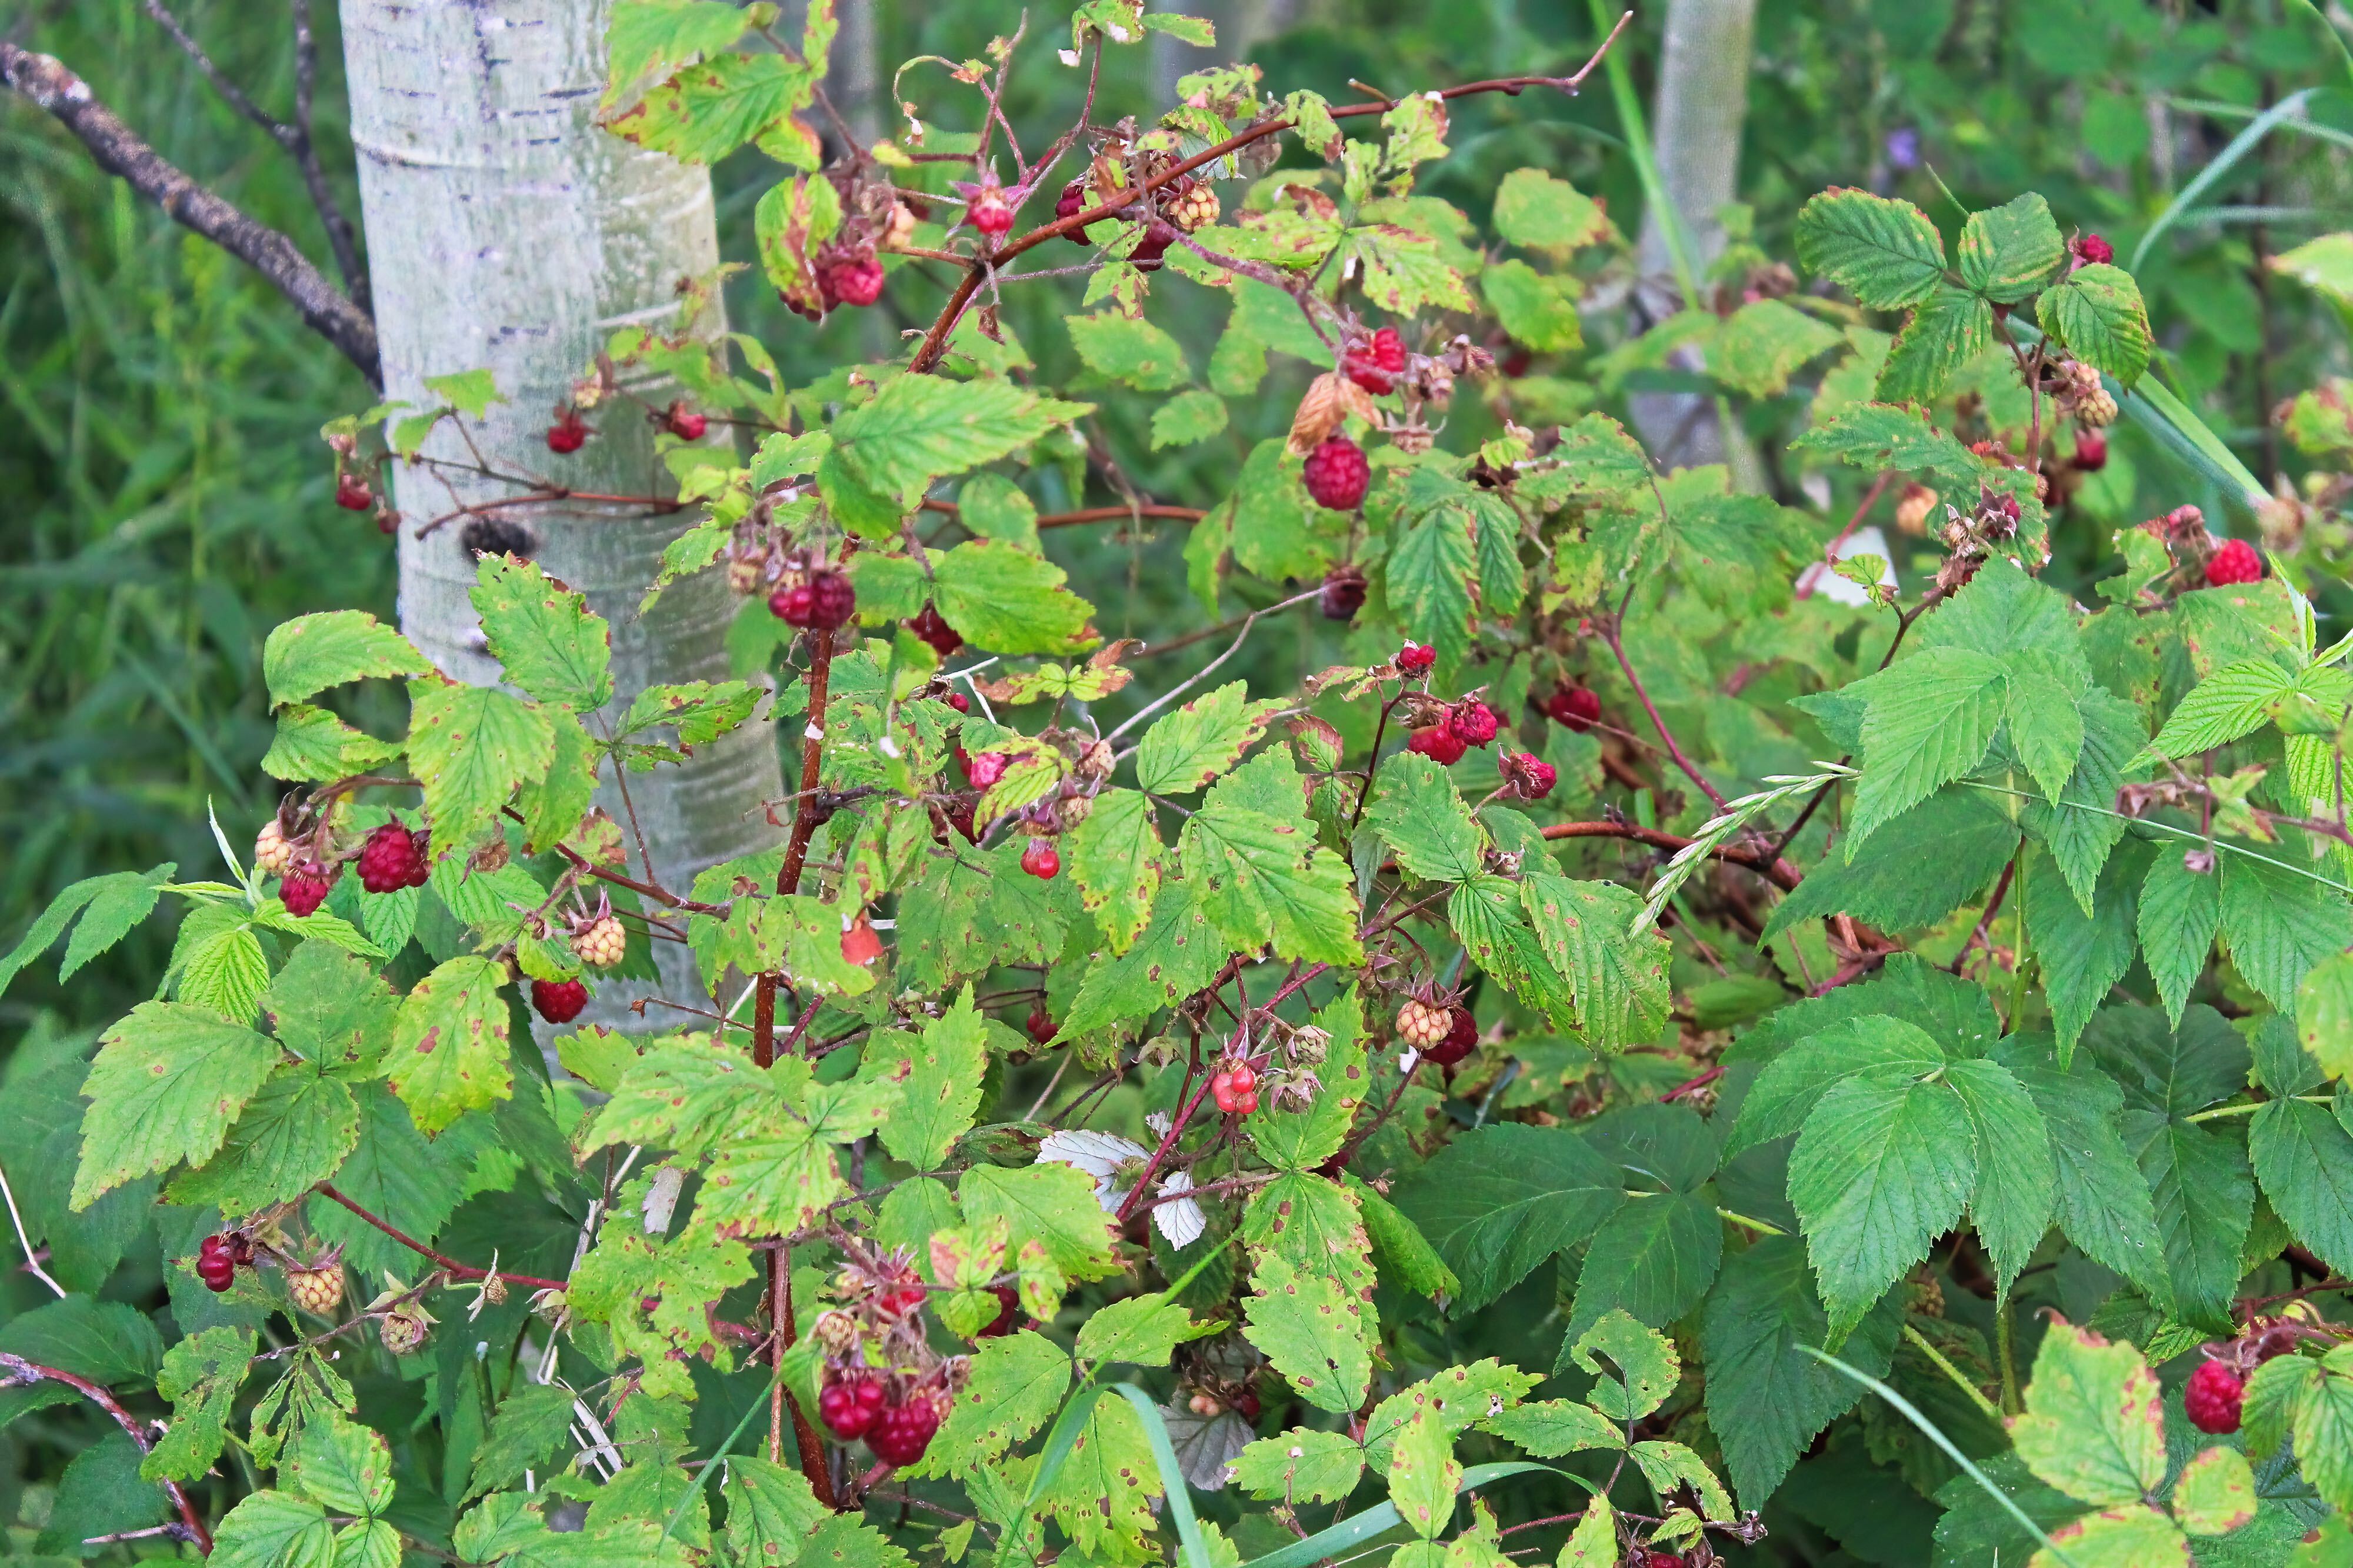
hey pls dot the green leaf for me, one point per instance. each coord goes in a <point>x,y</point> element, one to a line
<point>1765,342</point>
<point>2234,701</point>
<point>313,745</point>
<point>1886,253</point>
<point>108,1343</point>
<point>708,111</point>
<point>293,1134</point>
<point>1429,573</point>
<point>1880,435</point>
<point>701,711</point>
<point>2216,1493</point>
<point>2303,1157</point>
<point>2094,1425</point>
<point>1486,918</point>
<point>1187,418</point>
<point>167,1082</point>
<point>1262,878</point>
<point>1277,532</point>
<point>2083,954</point>
<point>1874,1045</point>
<point>1423,1475</point>
<point>657,37</point>
<point>1929,720</point>
<point>330,1008</point>
<point>2009,251</point>
<point>1552,1427</point>
<point>2083,827</point>
<point>1017,1382</point>
<point>1052,1205</point>
<point>396,1175</point>
<point>1421,817</point>
<point>1498,1200</point>
<point>2017,1182</point>
<point>2279,924</point>
<point>1301,1139</point>
<point>2133,1535</point>
<point>1129,349</point>
<point>1538,310</point>
<point>2324,1015</point>
<point>342,1464</point>
<point>274,1529</point>
<point>1305,1325</point>
<point>307,655</point>
<point>471,746</point>
<point>1188,748</point>
<point>1643,1360</point>
<point>1405,1254</point>
<point>200,1376</point>
<point>771,1511</point>
<point>1881,1170</point>
<point>1620,980</point>
<point>1301,1465</point>
<point>543,634</point>
<point>1654,1258</point>
<point>1538,211</point>
<point>448,1052</point>
<point>1104,1494</point>
<point>943,1078</point>
<point>2096,312</point>
<point>1116,858</point>
<point>533,1422</point>
<point>920,427</point>
<point>2179,911</point>
<point>1144,1330</point>
<point>1950,329</point>
<point>1179,955</point>
<point>1767,1398</point>
<point>2046,729</point>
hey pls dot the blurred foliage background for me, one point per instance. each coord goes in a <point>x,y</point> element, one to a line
<point>168,501</point>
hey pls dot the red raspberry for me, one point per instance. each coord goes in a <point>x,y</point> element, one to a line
<point>2211,1399</point>
<point>1344,593</point>
<point>1245,1102</point>
<point>2236,562</point>
<point>1008,1307</point>
<point>901,1432</point>
<point>985,768</point>
<point>823,603</point>
<point>391,859</point>
<point>1439,742</point>
<point>1153,246</point>
<point>850,281</point>
<point>1041,860</point>
<point>685,423</point>
<point>1242,1079</point>
<point>959,815</point>
<point>793,605</point>
<point>2091,451</point>
<point>306,887</point>
<point>932,628</point>
<point>567,434</point>
<point>1662,1559</point>
<point>1462,1038</point>
<point>1246,1403</point>
<point>2092,248</point>
<point>216,1265</point>
<point>958,700</point>
<point>558,1000</point>
<point>1040,1025</point>
<point>1575,706</point>
<point>1531,776</point>
<point>352,493</point>
<point>1373,365</point>
<point>1416,658</point>
<point>848,1407</point>
<point>990,213</point>
<point>1075,199</point>
<point>1337,475</point>
<point>898,1303</point>
<point>1472,721</point>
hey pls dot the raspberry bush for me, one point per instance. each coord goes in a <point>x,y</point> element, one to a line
<point>1641,1043</point>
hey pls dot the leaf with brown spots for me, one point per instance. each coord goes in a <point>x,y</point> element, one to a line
<point>448,1052</point>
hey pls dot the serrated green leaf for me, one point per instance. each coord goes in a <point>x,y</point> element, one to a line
<point>708,111</point>
<point>307,655</point>
<point>2216,1493</point>
<point>2303,1157</point>
<point>313,745</point>
<point>1116,858</point>
<point>1017,1384</point>
<point>942,1083</point>
<point>1429,572</point>
<point>2017,1180</point>
<point>701,711</point>
<point>1129,349</point>
<point>2180,910</point>
<point>2279,923</point>
<point>922,428</point>
<point>274,1529</point>
<point>1423,1475</point>
<point>470,747</point>
<point>1144,1330</point>
<point>1539,212</point>
<point>2234,701</point>
<point>1499,1201</point>
<point>1264,879</point>
<point>1188,748</point>
<point>542,633</point>
<point>1950,328</point>
<point>2096,312</point>
<point>1538,310</point>
<point>1639,1364</point>
<point>1881,1170</point>
<point>2009,251</point>
<point>1620,978</point>
<point>1421,816</point>
<point>1302,1465</point>
<point>1886,253</point>
<point>1187,418</point>
<point>1930,720</point>
<point>168,1083</point>
<point>448,1053</point>
<point>2092,1426</point>
<point>1306,1326</point>
<point>1765,342</point>
<point>292,1135</point>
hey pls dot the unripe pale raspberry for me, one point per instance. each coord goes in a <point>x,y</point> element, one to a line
<point>744,573</point>
<point>558,1000</point>
<point>403,1330</point>
<point>1422,1025</point>
<point>1439,742</point>
<point>2213,1397</point>
<point>602,943</point>
<point>1473,722</point>
<point>391,859</point>
<point>1196,209</point>
<point>1337,474</point>
<point>2236,562</point>
<point>272,856</point>
<point>318,1291</point>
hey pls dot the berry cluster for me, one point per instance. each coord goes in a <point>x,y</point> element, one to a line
<point>882,1382</point>
<point>394,858</point>
<point>822,602</point>
<point>218,1257</point>
<point>1467,723</point>
<point>1042,859</point>
<point>2212,1398</point>
<point>1235,1089</point>
<point>1376,363</point>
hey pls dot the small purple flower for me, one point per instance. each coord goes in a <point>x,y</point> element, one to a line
<point>1904,147</point>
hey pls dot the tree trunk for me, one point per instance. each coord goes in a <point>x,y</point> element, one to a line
<point>506,230</point>
<point>1695,122</point>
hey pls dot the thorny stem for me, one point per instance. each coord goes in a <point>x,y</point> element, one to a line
<point>19,1372</point>
<point>448,1264</point>
<point>928,355</point>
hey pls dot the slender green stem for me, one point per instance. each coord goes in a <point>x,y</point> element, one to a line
<point>1747,1223</point>
<point>2248,1108</point>
<point>2005,1339</point>
<point>1977,1394</point>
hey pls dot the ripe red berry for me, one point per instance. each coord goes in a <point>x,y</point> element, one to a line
<point>1041,860</point>
<point>2211,1399</point>
<point>1374,364</point>
<point>1040,1025</point>
<point>958,700</point>
<point>1439,742</point>
<point>1245,1102</point>
<point>990,211</point>
<point>793,605</point>
<point>1472,721</point>
<point>686,424</point>
<point>901,1432</point>
<point>215,1264</point>
<point>1575,706</point>
<point>1008,1307</point>
<point>1243,1078</point>
<point>2092,249</point>
<point>2091,451</point>
<point>985,768</point>
<point>850,281</point>
<point>1462,1038</point>
<point>352,493</point>
<point>1153,246</point>
<point>1344,593</point>
<point>898,1303</point>
<point>306,887</point>
<point>1246,1403</point>
<point>932,628</point>
<point>848,1407</point>
<point>1337,474</point>
<point>2236,562</point>
<point>959,815</point>
<point>391,859</point>
<point>823,603</point>
<point>568,434</point>
<point>1074,200</point>
<point>558,1000</point>
<point>1662,1559</point>
<point>1416,658</point>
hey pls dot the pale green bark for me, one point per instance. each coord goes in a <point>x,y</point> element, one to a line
<point>505,229</point>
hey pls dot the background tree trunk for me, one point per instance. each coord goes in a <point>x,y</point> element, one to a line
<point>506,230</point>
<point>1696,115</point>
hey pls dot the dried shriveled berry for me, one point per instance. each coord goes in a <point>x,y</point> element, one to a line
<point>932,628</point>
<point>558,1000</point>
<point>403,1330</point>
<point>1473,723</point>
<point>1530,776</point>
<point>1344,593</point>
<point>1075,199</point>
<point>1439,742</point>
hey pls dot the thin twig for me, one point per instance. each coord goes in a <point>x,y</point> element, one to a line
<point>1141,714</point>
<point>19,1372</point>
<point>32,1261</point>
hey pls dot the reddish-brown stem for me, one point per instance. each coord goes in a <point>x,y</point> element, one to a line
<point>1984,921</point>
<point>1777,871</point>
<point>19,1371</point>
<point>450,1265</point>
<point>936,338</point>
<point>1612,631</point>
<point>548,498</point>
<point>1692,1085</point>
